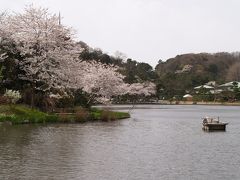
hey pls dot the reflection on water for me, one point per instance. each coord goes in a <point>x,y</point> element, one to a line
<point>158,142</point>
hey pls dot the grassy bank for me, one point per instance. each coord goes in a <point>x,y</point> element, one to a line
<point>20,114</point>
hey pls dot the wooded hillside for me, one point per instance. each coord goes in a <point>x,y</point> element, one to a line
<point>184,72</point>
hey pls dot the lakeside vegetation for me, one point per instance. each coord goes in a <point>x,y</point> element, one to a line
<point>20,114</point>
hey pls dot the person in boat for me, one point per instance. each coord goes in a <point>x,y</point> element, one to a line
<point>205,120</point>
<point>210,120</point>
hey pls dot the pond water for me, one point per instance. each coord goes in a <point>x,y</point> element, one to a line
<point>157,142</point>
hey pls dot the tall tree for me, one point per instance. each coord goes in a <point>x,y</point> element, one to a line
<point>48,57</point>
<point>44,45</point>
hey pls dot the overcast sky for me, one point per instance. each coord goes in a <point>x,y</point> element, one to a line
<point>148,30</point>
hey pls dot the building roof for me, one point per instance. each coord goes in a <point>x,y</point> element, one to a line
<point>187,96</point>
<point>204,86</point>
<point>230,84</point>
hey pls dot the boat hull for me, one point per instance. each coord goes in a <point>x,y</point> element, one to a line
<point>215,127</point>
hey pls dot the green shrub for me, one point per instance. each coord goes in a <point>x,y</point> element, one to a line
<point>19,114</point>
<point>52,118</point>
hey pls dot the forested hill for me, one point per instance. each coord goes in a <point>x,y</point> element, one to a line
<point>219,66</point>
<point>184,72</point>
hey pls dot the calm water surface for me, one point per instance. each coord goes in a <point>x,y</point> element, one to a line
<point>158,142</point>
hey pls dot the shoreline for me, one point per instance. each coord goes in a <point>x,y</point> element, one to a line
<point>199,103</point>
<point>165,102</point>
<point>129,106</point>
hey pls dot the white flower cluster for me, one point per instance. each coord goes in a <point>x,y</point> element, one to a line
<point>13,95</point>
<point>50,55</point>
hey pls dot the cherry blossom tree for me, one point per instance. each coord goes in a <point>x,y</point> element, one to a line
<point>48,55</point>
<point>45,46</point>
<point>104,82</point>
<point>146,89</point>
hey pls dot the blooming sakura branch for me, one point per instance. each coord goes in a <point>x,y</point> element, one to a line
<point>48,57</point>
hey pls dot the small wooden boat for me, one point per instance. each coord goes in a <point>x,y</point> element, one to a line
<point>213,124</point>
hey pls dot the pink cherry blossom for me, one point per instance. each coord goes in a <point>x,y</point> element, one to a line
<point>50,55</point>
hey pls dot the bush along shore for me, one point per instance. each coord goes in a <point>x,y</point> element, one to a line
<point>21,114</point>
